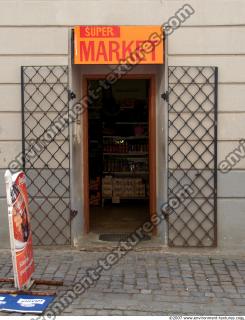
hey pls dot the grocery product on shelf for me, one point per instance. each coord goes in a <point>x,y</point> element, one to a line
<point>118,147</point>
<point>123,188</point>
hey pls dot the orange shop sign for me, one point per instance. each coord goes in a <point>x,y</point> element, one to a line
<point>118,44</point>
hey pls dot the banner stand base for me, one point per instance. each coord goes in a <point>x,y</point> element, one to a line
<point>29,291</point>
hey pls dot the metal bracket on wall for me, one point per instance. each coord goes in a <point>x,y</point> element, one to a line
<point>71,95</point>
<point>73,214</point>
<point>165,96</point>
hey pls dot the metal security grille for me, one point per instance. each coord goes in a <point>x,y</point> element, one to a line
<point>46,151</point>
<point>192,155</point>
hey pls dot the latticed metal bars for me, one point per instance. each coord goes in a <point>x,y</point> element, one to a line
<point>192,155</point>
<point>46,152</point>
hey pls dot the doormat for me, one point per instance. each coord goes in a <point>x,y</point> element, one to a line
<point>24,303</point>
<point>116,237</point>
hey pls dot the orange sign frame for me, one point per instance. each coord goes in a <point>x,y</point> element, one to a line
<point>118,44</point>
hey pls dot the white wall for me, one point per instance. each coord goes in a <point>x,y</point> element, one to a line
<point>21,46</point>
<point>222,45</point>
<point>35,32</point>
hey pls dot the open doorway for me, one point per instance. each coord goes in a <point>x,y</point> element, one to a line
<point>120,138</point>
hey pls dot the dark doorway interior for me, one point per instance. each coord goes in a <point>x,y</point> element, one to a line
<point>118,156</point>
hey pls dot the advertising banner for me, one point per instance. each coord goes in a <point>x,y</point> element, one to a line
<point>118,44</point>
<point>24,303</point>
<point>19,229</point>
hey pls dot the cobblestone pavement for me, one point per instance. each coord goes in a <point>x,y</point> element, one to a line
<point>146,283</point>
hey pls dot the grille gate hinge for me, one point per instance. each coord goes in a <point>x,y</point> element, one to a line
<point>165,96</point>
<point>71,95</point>
<point>73,213</point>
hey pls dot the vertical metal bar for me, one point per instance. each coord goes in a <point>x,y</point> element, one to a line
<point>70,125</point>
<point>69,133</point>
<point>23,117</point>
<point>72,45</point>
<point>166,223</point>
<point>215,151</point>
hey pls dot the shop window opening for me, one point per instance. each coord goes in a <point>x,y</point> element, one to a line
<point>118,154</point>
